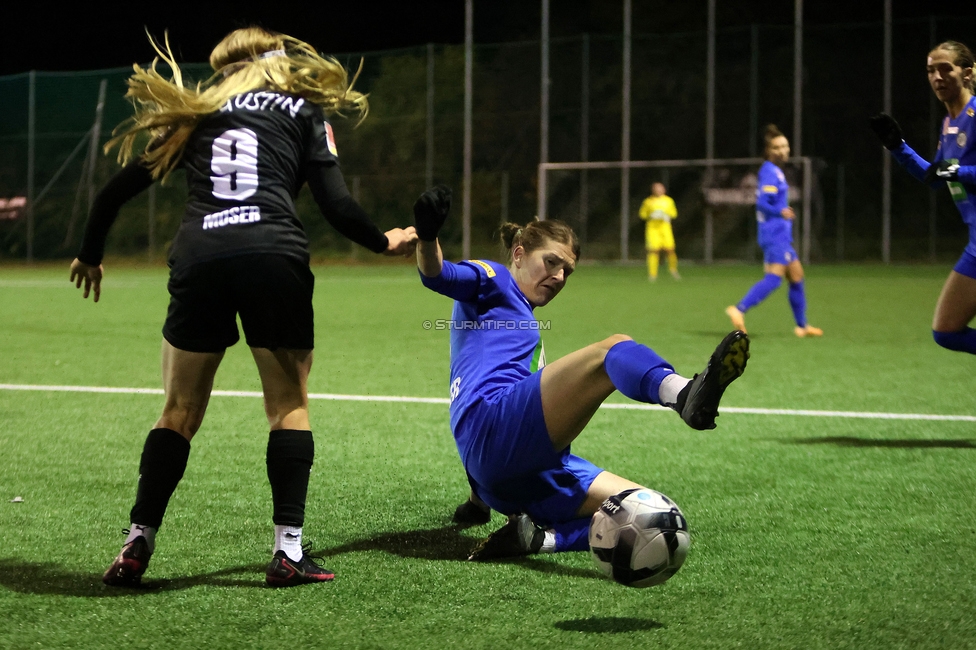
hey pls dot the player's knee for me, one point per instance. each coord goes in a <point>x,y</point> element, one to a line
<point>611,341</point>
<point>184,422</point>
<point>288,417</point>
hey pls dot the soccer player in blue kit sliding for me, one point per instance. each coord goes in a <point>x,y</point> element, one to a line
<point>248,140</point>
<point>775,235</point>
<point>951,76</point>
<point>514,416</point>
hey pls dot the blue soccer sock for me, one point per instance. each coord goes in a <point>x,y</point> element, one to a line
<point>963,341</point>
<point>759,292</point>
<point>798,302</point>
<point>637,371</point>
<point>573,535</point>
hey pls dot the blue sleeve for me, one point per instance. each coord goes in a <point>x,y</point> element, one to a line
<point>457,281</point>
<point>915,164</point>
<point>768,204</point>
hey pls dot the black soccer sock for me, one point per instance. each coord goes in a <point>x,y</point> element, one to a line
<point>162,465</point>
<point>290,455</point>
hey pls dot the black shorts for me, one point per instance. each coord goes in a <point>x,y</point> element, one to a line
<point>272,294</point>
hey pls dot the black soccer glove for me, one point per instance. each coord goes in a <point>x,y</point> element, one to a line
<point>887,130</point>
<point>430,211</point>
<point>944,171</point>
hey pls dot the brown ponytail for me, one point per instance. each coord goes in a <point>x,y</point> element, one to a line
<point>535,234</point>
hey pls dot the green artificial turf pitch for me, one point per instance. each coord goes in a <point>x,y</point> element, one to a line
<point>807,531</point>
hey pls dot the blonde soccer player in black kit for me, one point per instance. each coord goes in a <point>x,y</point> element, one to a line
<point>248,140</point>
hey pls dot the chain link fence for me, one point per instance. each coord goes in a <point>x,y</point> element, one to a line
<point>414,136</point>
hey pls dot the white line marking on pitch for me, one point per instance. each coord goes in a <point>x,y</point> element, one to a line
<point>443,400</point>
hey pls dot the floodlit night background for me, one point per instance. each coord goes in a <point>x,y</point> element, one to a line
<point>413,58</point>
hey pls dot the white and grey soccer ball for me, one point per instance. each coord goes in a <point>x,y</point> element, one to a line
<point>639,538</point>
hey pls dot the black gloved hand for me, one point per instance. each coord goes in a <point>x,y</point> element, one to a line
<point>430,211</point>
<point>943,170</point>
<point>887,130</point>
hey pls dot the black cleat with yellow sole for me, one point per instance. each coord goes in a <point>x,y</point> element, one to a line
<point>698,401</point>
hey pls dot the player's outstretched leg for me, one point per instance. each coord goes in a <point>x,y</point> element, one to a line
<point>698,401</point>
<point>130,564</point>
<point>756,294</point>
<point>518,537</point>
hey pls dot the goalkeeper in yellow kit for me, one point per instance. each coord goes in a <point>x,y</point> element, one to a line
<point>658,210</point>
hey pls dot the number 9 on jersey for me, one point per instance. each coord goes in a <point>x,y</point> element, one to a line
<point>235,164</point>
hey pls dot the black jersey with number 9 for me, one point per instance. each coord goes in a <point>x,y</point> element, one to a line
<point>244,167</point>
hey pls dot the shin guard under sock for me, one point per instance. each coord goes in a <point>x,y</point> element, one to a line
<point>759,292</point>
<point>798,303</point>
<point>161,467</point>
<point>636,371</point>
<point>289,458</point>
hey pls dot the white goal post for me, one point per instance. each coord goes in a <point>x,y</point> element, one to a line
<point>713,196</point>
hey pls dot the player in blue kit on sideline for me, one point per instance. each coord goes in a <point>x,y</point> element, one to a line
<point>514,416</point>
<point>248,140</point>
<point>951,76</point>
<point>775,235</point>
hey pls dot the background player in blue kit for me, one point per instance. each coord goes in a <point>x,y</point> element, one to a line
<point>951,76</point>
<point>248,140</point>
<point>512,415</point>
<point>775,235</point>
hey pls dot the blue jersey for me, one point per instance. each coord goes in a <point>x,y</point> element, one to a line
<point>772,197</point>
<point>957,144</point>
<point>496,399</point>
<point>495,339</point>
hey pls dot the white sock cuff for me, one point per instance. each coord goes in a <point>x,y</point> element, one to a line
<point>138,530</point>
<point>549,544</point>
<point>289,540</point>
<point>670,387</point>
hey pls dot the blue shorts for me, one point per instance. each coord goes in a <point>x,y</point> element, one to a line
<point>510,461</point>
<point>779,253</point>
<point>966,265</point>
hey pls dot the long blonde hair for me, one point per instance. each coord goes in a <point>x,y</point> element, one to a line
<point>246,59</point>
